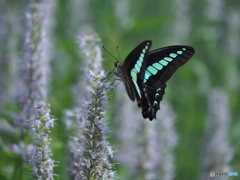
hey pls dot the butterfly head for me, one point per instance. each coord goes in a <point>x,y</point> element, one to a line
<point>119,70</point>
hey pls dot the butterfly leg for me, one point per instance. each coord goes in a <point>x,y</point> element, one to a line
<point>111,85</point>
<point>116,79</point>
<point>109,75</point>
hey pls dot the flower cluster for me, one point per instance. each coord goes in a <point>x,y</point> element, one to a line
<point>93,157</point>
<point>218,152</point>
<point>42,161</point>
<point>34,66</point>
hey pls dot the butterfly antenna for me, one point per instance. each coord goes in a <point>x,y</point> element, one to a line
<point>118,53</point>
<point>109,53</point>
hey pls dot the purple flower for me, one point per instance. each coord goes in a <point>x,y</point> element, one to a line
<point>90,151</point>
<point>34,66</point>
<point>218,152</point>
<point>92,160</point>
<point>42,162</point>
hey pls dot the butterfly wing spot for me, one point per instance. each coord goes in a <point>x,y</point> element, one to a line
<point>146,47</point>
<point>163,62</point>
<point>140,60</point>
<point>168,59</point>
<point>134,78</point>
<point>157,94</point>
<point>179,52</point>
<point>157,66</point>
<point>139,63</point>
<point>137,68</point>
<point>146,75</point>
<point>155,102</point>
<point>134,75</point>
<point>152,70</point>
<point>173,55</point>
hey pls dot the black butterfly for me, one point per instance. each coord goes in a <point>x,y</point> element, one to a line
<point>145,73</point>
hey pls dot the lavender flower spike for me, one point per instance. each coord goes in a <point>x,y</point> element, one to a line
<point>34,66</point>
<point>95,152</point>
<point>42,162</point>
<point>218,152</point>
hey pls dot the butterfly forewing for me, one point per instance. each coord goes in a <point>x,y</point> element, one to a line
<point>133,65</point>
<point>165,61</point>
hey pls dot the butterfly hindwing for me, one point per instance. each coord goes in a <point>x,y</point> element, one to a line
<point>161,64</point>
<point>150,103</point>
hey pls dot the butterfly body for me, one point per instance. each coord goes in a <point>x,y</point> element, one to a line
<point>145,73</point>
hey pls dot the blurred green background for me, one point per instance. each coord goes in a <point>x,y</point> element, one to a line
<point>212,27</point>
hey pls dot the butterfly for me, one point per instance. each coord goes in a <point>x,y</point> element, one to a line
<point>144,73</point>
